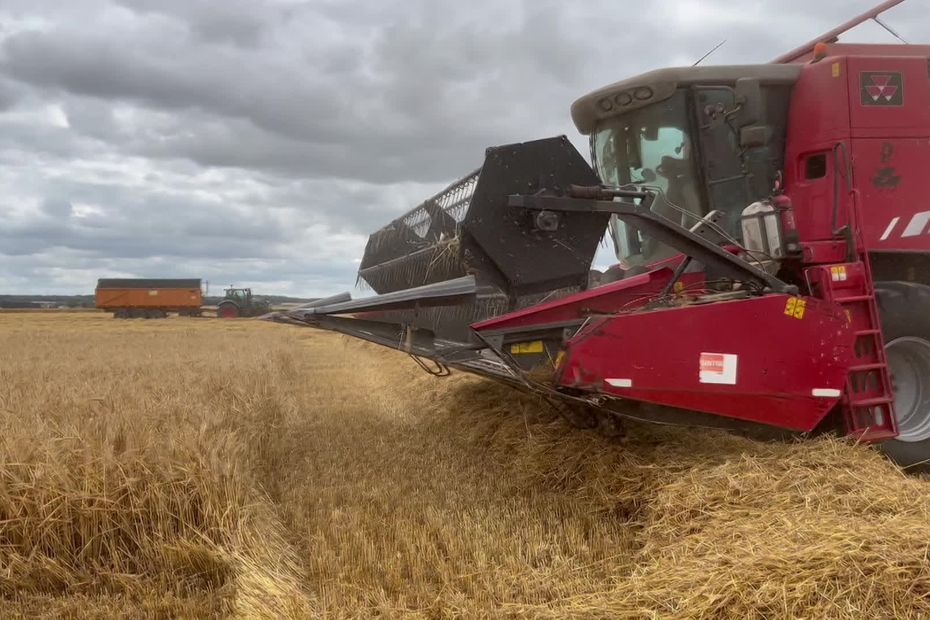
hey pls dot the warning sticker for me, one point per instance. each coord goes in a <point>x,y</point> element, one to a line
<point>795,307</point>
<point>718,368</point>
<point>526,348</point>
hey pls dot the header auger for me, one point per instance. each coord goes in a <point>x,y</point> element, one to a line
<point>773,244</point>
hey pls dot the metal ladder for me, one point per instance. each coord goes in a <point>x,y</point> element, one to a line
<point>868,400</point>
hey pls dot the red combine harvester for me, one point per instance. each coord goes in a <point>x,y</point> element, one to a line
<point>773,233</point>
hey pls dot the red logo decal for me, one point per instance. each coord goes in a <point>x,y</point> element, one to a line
<point>882,88</point>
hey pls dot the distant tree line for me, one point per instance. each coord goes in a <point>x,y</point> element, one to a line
<point>87,301</point>
<point>40,301</point>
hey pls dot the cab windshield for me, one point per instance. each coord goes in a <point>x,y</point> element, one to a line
<point>650,146</point>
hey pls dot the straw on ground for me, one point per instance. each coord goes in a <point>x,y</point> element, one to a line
<point>198,468</point>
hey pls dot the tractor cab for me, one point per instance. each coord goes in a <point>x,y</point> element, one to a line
<point>710,138</point>
<point>241,295</point>
<point>238,302</point>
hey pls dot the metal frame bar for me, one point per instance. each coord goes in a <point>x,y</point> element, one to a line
<point>831,36</point>
<point>599,199</point>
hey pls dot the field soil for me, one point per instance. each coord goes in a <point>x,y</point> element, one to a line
<point>206,468</point>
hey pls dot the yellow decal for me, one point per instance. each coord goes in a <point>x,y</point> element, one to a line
<point>838,274</point>
<point>523,348</point>
<point>836,69</point>
<point>795,307</point>
<point>679,286</point>
<point>153,293</point>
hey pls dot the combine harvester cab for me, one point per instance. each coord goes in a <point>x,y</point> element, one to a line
<point>771,239</point>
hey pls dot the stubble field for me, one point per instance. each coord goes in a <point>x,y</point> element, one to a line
<point>203,468</point>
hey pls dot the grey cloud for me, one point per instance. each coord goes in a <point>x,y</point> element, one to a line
<point>238,22</point>
<point>256,141</point>
<point>92,118</point>
<point>56,207</point>
<point>10,94</point>
<point>27,143</point>
<point>132,224</point>
<point>400,120</point>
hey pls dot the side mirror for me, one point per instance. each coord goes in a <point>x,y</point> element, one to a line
<point>749,99</point>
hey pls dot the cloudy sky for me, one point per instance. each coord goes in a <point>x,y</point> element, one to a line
<point>257,142</point>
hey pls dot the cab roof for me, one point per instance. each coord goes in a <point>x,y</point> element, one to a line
<point>648,88</point>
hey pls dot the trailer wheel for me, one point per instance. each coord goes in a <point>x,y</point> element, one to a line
<point>905,317</point>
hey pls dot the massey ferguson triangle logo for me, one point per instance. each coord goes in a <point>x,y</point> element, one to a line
<point>882,88</point>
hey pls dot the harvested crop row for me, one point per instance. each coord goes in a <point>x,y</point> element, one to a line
<point>727,527</point>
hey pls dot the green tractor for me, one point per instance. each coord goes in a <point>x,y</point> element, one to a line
<point>240,302</point>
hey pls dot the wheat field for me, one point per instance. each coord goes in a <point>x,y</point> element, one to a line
<point>201,468</point>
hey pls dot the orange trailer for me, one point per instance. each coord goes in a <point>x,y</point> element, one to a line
<point>149,298</point>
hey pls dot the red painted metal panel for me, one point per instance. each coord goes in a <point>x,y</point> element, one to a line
<point>888,96</point>
<point>878,109</point>
<point>608,299</point>
<point>870,49</point>
<point>818,119</point>
<point>894,201</point>
<point>819,111</point>
<point>889,100</point>
<point>784,360</point>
